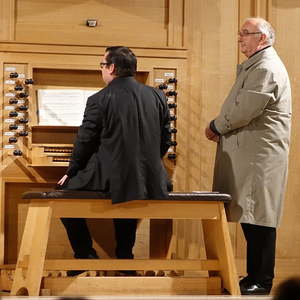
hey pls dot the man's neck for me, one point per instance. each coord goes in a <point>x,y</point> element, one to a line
<point>265,47</point>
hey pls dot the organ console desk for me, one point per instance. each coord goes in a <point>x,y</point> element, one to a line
<point>20,104</point>
<point>34,156</point>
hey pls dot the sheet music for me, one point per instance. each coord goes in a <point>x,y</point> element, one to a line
<point>64,107</point>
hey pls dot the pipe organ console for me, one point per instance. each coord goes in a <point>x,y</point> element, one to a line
<point>35,154</point>
<point>43,146</point>
<point>35,151</point>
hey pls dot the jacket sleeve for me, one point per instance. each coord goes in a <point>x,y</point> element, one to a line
<point>88,137</point>
<point>250,102</point>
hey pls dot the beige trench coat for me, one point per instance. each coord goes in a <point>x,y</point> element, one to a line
<point>252,155</point>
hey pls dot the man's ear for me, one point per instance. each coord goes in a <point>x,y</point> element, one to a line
<point>263,38</point>
<point>111,68</point>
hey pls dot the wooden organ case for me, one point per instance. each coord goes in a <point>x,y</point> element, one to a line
<point>35,156</point>
<point>49,42</point>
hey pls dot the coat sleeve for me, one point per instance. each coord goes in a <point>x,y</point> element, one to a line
<point>88,137</point>
<point>250,102</point>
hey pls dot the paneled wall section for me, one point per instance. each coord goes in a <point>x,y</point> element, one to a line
<point>199,37</point>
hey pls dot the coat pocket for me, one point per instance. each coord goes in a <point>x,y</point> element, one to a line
<point>230,141</point>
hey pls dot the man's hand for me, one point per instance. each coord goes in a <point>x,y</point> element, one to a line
<point>62,180</point>
<point>216,138</point>
<point>211,135</point>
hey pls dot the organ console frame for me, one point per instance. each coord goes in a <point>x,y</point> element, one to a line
<point>33,169</point>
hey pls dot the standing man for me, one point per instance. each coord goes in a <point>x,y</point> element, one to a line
<point>253,135</point>
<point>124,134</point>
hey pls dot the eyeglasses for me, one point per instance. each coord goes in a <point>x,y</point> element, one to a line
<point>102,64</point>
<point>245,33</point>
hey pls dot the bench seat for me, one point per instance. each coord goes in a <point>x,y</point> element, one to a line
<point>44,205</point>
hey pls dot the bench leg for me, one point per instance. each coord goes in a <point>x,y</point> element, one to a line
<point>30,264</point>
<point>218,245</point>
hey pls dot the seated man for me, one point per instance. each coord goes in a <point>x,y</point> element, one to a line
<point>124,134</point>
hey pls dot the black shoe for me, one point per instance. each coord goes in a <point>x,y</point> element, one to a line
<point>73,273</point>
<point>245,281</point>
<point>254,289</point>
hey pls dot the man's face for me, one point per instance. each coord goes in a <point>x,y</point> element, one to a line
<point>107,70</point>
<point>250,38</point>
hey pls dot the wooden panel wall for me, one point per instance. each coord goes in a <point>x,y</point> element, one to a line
<point>285,16</point>
<point>211,42</point>
<point>208,30</point>
<point>143,23</point>
<point>214,53</point>
<point>7,20</point>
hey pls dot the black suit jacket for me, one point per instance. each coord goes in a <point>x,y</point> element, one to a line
<point>119,146</point>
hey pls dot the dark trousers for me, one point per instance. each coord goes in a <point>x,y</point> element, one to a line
<point>261,246</point>
<point>82,244</point>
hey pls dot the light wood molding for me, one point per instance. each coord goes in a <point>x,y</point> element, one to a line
<point>129,264</point>
<point>2,221</point>
<point>261,8</point>
<point>254,8</point>
<point>140,286</point>
<point>7,20</point>
<point>175,23</point>
<point>161,52</point>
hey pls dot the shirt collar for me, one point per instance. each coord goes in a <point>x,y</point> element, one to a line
<point>258,51</point>
<point>257,56</point>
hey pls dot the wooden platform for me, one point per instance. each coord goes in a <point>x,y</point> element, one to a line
<point>208,207</point>
<point>147,297</point>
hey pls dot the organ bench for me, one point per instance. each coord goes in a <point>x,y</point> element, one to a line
<point>205,206</point>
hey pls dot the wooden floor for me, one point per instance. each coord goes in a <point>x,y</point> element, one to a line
<point>4,297</point>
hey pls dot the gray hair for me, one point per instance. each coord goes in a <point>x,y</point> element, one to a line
<point>266,28</point>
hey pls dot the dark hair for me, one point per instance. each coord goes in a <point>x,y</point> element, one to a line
<point>123,59</point>
<point>288,289</point>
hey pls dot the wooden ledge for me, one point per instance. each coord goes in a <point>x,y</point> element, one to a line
<point>127,264</point>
